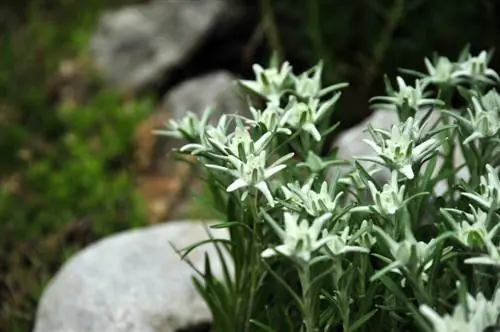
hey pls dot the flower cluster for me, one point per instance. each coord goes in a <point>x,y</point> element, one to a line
<point>347,252</point>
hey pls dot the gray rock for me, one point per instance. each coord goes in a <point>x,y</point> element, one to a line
<point>137,45</point>
<point>130,282</point>
<point>217,89</point>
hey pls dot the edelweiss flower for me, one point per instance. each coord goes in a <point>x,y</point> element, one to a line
<point>339,244</point>
<point>474,231</point>
<point>398,149</point>
<point>273,118</point>
<point>299,239</point>
<point>305,116</point>
<point>241,144</point>
<point>408,252</point>
<point>414,97</point>
<point>252,173</point>
<point>491,258</point>
<point>491,101</point>
<point>315,204</point>
<point>270,82</point>
<point>308,84</point>
<point>483,122</point>
<point>476,68</point>
<point>474,316</point>
<point>387,201</point>
<point>390,199</point>
<point>189,128</point>
<point>489,190</point>
<point>442,72</point>
<point>209,133</point>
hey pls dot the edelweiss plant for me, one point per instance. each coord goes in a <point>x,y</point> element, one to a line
<point>315,247</point>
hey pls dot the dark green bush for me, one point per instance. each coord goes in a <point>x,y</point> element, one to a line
<point>65,166</point>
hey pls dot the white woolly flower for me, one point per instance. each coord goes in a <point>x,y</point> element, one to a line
<point>300,239</point>
<point>476,315</point>
<point>442,72</point>
<point>473,230</point>
<point>399,149</point>
<point>314,203</point>
<point>208,134</point>
<point>252,173</point>
<point>476,68</point>
<point>413,96</point>
<point>491,101</point>
<point>189,128</point>
<point>241,144</point>
<point>273,118</point>
<point>308,84</point>
<point>305,116</point>
<point>269,82</point>
<point>339,243</point>
<point>408,252</point>
<point>386,201</point>
<point>489,190</point>
<point>484,122</point>
<point>389,199</point>
<point>492,256</point>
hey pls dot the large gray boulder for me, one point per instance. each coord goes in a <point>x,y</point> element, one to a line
<point>216,89</point>
<point>130,282</point>
<point>137,45</point>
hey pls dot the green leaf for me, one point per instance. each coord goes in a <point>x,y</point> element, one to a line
<point>379,274</point>
<point>262,326</point>
<point>360,322</point>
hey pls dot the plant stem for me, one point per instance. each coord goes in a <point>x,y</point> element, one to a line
<point>254,259</point>
<point>308,301</point>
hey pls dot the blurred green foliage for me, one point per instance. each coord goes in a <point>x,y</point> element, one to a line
<point>65,165</point>
<point>361,40</point>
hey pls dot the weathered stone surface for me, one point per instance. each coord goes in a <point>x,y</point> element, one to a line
<point>217,89</point>
<point>130,282</point>
<point>350,143</point>
<point>138,45</point>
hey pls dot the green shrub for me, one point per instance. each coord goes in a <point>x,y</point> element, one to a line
<point>318,247</point>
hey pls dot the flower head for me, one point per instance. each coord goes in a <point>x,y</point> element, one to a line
<point>339,244</point>
<point>390,199</point>
<point>476,315</point>
<point>489,190</point>
<point>314,203</point>
<point>300,239</point>
<point>386,201</point>
<point>443,71</point>
<point>270,82</point>
<point>475,68</point>
<point>483,122</point>
<point>399,149</point>
<point>474,230</point>
<point>305,116</point>
<point>189,128</point>
<point>273,119</point>
<point>411,96</point>
<point>252,173</point>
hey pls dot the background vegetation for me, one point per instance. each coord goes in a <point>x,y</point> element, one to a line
<point>66,152</point>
